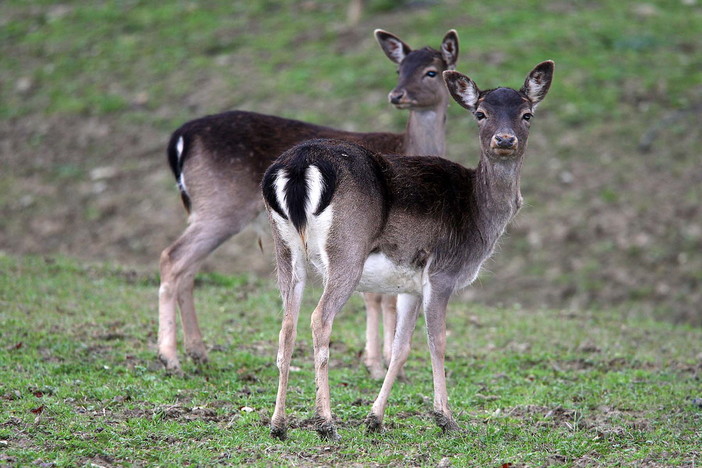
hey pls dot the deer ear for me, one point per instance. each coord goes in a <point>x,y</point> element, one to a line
<point>449,49</point>
<point>394,48</point>
<point>463,89</point>
<point>538,82</point>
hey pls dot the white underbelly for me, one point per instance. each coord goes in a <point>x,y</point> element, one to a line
<point>381,275</point>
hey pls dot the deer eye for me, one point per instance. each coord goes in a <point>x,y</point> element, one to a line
<point>431,74</point>
<point>527,116</point>
<point>480,115</point>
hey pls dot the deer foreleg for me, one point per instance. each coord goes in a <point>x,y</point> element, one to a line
<point>389,306</point>
<point>373,359</point>
<point>435,317</point>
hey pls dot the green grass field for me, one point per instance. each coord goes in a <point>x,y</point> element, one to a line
<point>579,345</point>
<point>79,382</point>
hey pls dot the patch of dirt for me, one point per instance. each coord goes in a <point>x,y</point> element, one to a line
<point>104,461</point>
<point>178,412</point>
<point>604,422</point>
<point>554,417</point>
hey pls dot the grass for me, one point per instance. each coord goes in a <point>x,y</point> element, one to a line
<point>131,49</point>
<point>80,384</point>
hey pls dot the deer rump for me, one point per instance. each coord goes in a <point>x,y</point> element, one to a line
<point>333,201</point>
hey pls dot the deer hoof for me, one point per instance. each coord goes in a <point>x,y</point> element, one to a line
<point>446,423</point>
<point>402,377</point>
<point>172,365</point>
<point>373,424</point>
<point>376,370</point>
<point>279,432</point>
<point>199,359</point>
<point>198,354</point>
<point>327,431</point>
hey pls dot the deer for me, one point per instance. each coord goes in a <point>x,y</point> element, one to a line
<point>219,161</point>
<point>419,227</point>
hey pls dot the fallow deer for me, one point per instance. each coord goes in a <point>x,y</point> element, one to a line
<point>420,227</point>
<point>219,160</point>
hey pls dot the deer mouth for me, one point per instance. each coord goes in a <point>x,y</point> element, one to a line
<point>402,100</point>
<point>404,104</point>
<point>504,148</point>
<point>504,153</point>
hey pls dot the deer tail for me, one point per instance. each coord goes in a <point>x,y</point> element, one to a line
<point>299,185</point>
<point>176,151</point>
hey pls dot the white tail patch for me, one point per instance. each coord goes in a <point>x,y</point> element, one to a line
<point>179,147</point>
<point>315,187</point>
<point>311,243</point>
<point>317,226</point>
<point>281,180</point>
<point>181,178</point>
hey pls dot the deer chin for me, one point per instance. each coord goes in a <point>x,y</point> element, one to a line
<point>503,153</point>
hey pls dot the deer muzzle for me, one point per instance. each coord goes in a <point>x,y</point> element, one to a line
<point>504,144</point>
<point>398,98</point>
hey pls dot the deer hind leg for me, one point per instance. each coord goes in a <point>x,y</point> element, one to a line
<point>407,312</point>
<point>291,280</point>
<point>373,360</point>
<point>337,291</point>
<point>179,265</point>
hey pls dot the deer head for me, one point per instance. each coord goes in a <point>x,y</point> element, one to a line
<point>419,85</point>
<point>503,114</point>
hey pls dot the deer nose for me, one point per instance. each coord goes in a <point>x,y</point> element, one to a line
<point>396,96</point>
<point>505,141</point>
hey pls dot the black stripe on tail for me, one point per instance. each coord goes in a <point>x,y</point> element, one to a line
<point>296,196</point>
<point>295,162</point>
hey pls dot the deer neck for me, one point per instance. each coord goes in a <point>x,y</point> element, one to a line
<point>426,132</point>
<point>497,190</point>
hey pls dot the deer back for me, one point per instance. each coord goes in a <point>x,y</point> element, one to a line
<point>237,135</point>
<point>418,213</point>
